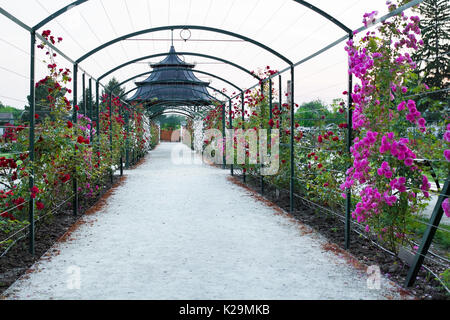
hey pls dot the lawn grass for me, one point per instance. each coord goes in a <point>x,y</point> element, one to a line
<point>441,238</point>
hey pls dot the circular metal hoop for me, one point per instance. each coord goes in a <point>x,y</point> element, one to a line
<point>185,34</point>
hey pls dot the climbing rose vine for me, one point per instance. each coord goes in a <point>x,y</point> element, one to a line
<point>391,134</point>
<point>64,150</point>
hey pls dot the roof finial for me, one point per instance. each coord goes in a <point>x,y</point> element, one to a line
<point>172,36</point>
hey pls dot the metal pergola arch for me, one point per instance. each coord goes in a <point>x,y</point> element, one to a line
<point>177,106</point>
<point>213,88</point>
<point>175,68</point>
<point>289,62</point>
<point>154,116</point>
<point>180,103</point>
<point>177,103</point>
<point>301,2</point>
<point>185,53</point>
<point>54,15</point>
<point>173,27</point>
<point>232,34</point>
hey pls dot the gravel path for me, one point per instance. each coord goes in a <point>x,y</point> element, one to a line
<point>187,232</point>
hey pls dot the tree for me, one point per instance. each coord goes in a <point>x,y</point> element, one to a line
<point>89,99</point>
<point>113,85</point>
<point>170,122</point>
<point>313,113</point>
<point>8,109</point>
<point>433,57</point>
<point>42,105</point>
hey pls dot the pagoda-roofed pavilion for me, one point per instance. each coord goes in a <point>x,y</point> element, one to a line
<point>172,83</point>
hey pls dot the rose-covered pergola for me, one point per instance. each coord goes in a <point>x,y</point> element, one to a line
<point>173,87</point>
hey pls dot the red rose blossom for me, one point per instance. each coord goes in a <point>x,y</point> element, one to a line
<point>39,205</point>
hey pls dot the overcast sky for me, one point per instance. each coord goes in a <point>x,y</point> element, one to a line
<point>284,25</point>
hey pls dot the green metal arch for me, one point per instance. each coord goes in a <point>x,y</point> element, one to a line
<point>217,90</point>
<point>178,105</point>
<point>181,53</point>
<point>301,2</point>
<point>177,108</point>
<point>325,15</point>
<point>172,68</point>
<point>153,116</point>
<point>193,27</point>
<point>58,13</point>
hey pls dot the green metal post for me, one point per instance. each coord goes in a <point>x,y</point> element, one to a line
<point>121,149</point>
<point>97,116</point>
<point>31,138</point>
<point>292,162</point>
<point>110,133</point>
<point>75,120</point>
<point>280,99</point>
<point>348,199</point>
<point>270,99</point>
<point>83,80</point>
<point>223,137</point>
<point>243,127</point>
<point>270,114</point>
<point>97,122</point>
<point>89,114</point>
<point>428,236</point>
<point>261,160</point>
<point>127,151</point>
<point>231,127</point>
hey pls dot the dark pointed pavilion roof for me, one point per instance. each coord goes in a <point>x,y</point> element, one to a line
<point>173,82</point>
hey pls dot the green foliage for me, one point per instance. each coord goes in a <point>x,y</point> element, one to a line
<point>445,277</point>
<point>154,132</point>
<point>418,226</point>
<point>42,103</point>
<point>170,122</point>
<point>63,150</point>
<point>90,101</point>
<point>8,109</point>
<point>433,57</point>
<point>113,85</point>
<point>311,114</point>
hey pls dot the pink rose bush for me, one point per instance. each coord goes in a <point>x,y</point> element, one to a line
<point>391,133</point>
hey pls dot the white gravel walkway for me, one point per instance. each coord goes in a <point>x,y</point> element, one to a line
<point>187,232</point>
